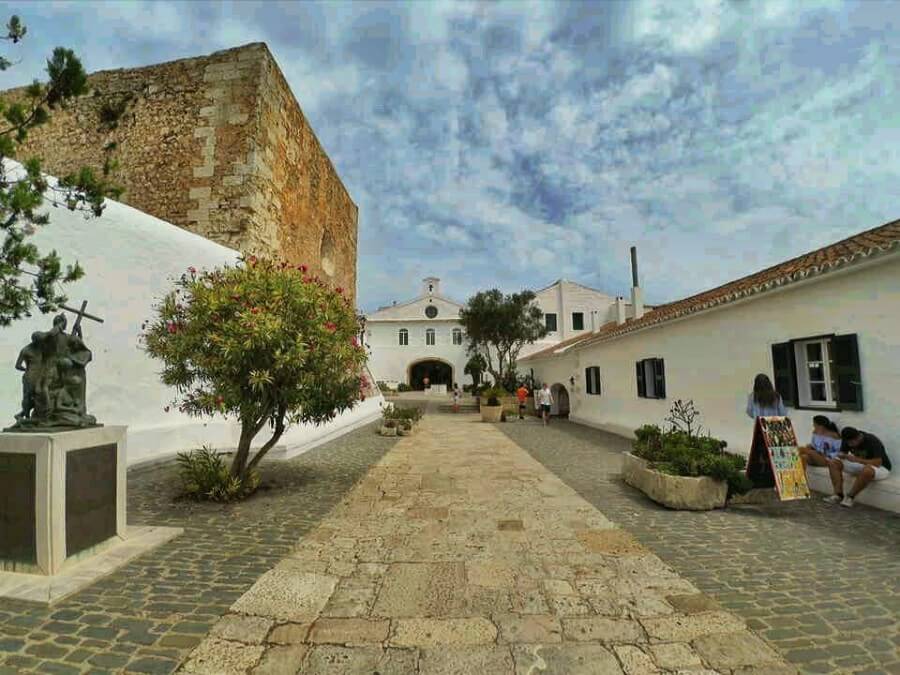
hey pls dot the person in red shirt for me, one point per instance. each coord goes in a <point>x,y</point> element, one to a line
<point>522,395</point>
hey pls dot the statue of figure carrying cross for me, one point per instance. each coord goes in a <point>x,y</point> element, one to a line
<point>54,380</point>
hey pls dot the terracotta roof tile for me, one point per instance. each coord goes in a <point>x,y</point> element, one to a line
<point>839,254</point>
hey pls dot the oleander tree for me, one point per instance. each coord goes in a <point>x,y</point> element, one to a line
<point>260,342</point>
<point>29,278</point>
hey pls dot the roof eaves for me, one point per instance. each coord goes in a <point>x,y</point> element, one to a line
<point>784,280</point>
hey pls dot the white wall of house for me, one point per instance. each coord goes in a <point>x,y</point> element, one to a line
<point>390,361</point>
<point>713,357</point>
<point>131,260</point>
<point>564,299</point>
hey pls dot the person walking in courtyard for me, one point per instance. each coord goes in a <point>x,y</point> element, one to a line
<point>456,397</point>
<point>545,400</point>
<point>522,395</point>
<point>862,455</point>
<point>824,444</point>
<point>764,401</point>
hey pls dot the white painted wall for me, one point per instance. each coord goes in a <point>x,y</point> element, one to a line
<point>713,357</point>
<point>389,360</point>
<point>131,259</point>
<point>564,299</point>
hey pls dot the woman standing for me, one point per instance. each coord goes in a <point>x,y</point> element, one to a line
<point>764,401</point>
<point>456,395</point>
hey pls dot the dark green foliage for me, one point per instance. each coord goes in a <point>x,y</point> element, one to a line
<point>680,453</point>
<point>499,325</point>
<point>411,414</point>
<point>205,476</point>
<point>111,112</point>
<point>494,395</point>
<point>28,278</point>
<point>475,366</point>
<point>403,387</point>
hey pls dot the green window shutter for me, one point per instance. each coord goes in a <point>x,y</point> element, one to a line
<point>845,359</point>
<point>785,372</point>
<point>641,383</point>
<point>659,378</point>
<point>577,321</point>
<point>587,381</point>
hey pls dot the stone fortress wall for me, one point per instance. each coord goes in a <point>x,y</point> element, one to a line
<point>217,145</point>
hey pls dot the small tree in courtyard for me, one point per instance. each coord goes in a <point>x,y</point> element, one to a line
<point>475,366</point>
<point>261,342</point>
<point>27,277</point>
<point>498,326</point>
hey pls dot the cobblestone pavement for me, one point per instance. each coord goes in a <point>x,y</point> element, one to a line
<point>821,583</point>
<point>148,616</point>
<point>460,553</point>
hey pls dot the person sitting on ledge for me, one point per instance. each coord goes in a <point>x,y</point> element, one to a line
<point>824,444</point>
<point>861,455</point>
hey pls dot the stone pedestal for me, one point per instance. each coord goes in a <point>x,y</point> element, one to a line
<point>62,511</point>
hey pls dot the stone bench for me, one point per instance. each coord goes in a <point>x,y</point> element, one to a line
<point>883,494</point>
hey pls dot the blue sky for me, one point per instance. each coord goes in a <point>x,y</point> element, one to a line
<point>510,144</point>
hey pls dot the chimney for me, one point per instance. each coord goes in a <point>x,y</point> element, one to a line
<point>637,295</point>
<point>593,320</point>
<point>620,310</point>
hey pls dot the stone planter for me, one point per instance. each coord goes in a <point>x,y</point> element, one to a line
<point>491,413</point>
<point>676,492</point>
<point>388,431</point>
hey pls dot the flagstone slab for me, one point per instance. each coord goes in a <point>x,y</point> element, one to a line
<point>330,660</point>
<point>536,628</point>
<point>281,660</point>
<point>680,628</point>
<point>565,659</point>
<point>239,628</point>
<point>734,650</point>
<point>285,594</point>
<point>223,657</point>
<point>349,631</point>
<point>433,632</point>
<point>602,629</point>
<point>421,589</point>
<point>477,660</point>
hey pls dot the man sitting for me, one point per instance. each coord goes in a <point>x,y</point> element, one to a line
<point>861,455</point>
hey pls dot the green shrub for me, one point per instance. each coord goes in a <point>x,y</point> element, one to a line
<point>403,387</point>
<point>494,395</point>
<point>205,476</point>
<point>681,453</point>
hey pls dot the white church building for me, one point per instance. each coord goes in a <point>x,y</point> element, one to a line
<point>423,338</point>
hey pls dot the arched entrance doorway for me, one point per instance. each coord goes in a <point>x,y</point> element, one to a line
<point>437,372</point>
<point>560,406</point>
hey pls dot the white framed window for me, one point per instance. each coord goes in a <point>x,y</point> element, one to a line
<point>651,378</point>
<point>820,372</point>
<point>457,336</point>
<point>814,385</point>
<point>429,336</point>
<point>550,322</point>
<point>404,337</point>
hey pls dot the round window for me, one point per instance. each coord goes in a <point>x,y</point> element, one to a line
<point>431,311</point>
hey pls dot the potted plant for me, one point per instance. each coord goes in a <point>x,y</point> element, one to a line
<point>492,404</point>
<point>389,428</point>
<point>405,428</point>
<point>682,469</point>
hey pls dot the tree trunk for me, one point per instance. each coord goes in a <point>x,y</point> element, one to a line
<point>249,429</point>
<point>276,435</point>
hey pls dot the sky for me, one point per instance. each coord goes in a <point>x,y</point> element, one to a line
<point>509,144</point>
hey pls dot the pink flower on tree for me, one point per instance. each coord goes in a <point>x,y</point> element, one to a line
<point>330,326</point>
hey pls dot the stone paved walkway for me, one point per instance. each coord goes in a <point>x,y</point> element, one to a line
<point>460,553</point>
<point>148,616</point>
<point>821,583</point>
